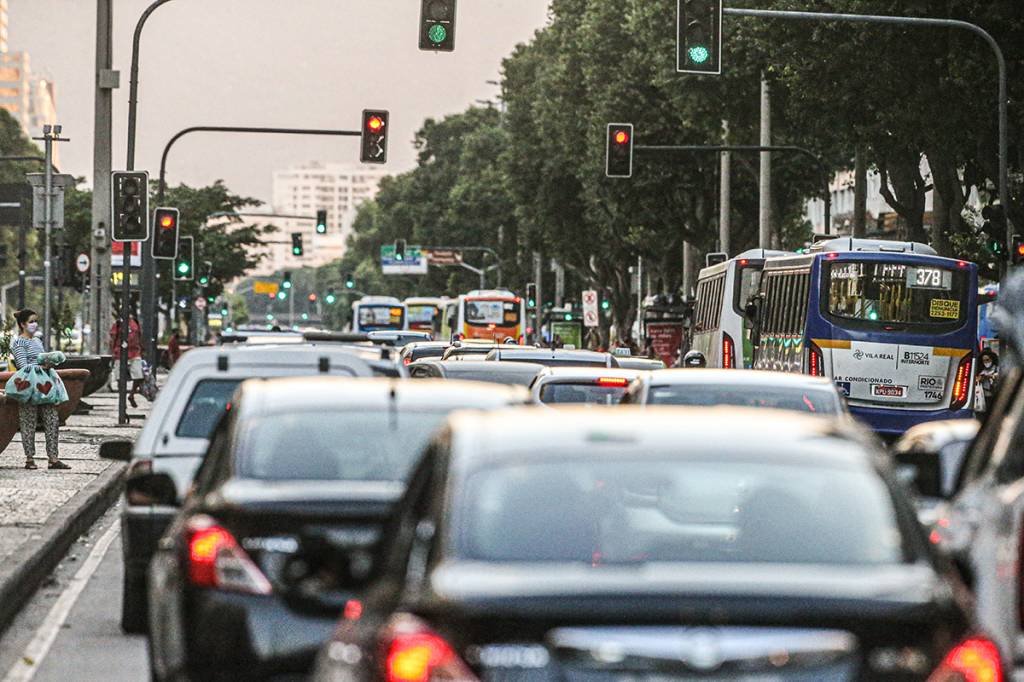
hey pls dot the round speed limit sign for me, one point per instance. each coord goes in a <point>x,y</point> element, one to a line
<point>82,263</point>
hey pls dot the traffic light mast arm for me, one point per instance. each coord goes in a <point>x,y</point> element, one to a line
<point>921,22</point>
<point>823,169</point>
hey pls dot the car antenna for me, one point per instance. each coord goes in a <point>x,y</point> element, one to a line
<point>392,408</point>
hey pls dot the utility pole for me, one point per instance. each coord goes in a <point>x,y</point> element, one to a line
<point>765,181</point>
<point>725,195</point>
<point>106,81</point>
<point>51,134</point>
<point>688,277</point>
<point>559,271</point>
<point>860,194</point>
<point>538,275</point>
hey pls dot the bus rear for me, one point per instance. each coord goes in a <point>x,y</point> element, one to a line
<point>897,333</point>
<point>378,313</point>
<point>424,314</point>
<point>492,315</point>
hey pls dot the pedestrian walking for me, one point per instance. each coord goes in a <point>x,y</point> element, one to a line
<point>135,370</point>
<point>35,403</point>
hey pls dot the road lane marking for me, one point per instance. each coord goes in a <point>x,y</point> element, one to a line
<point>32,657</point>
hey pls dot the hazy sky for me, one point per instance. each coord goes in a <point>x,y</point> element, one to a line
<point>290,63</point>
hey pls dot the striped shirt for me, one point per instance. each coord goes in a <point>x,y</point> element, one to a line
<point>25,351</point>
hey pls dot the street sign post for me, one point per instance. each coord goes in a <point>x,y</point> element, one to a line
<point>413,261</point>
<point>61,181</point>
<point>591,317</point>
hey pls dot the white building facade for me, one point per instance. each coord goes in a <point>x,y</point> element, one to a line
<point>302,191</point>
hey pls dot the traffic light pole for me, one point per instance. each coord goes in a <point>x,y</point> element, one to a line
<point>149,326</point>
<point>922,22</point>
<point>822,167</point>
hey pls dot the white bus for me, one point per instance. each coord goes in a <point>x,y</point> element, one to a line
<point>375,313</point>
<point>424,313</point>
<point>721,329</point>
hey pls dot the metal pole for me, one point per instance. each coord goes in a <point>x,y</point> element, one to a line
<point>860,193</point>
<point>725,196</point>
<point>538,273</point>
<point>99,250</point>
<point>150,303</point>
<point>22,262</point>
<point>1004,181</point>
<point>122,365</point>
<point>764,216</point>
<point>47,234</point>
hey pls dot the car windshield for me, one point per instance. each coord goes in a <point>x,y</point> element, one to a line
<point>205,406</point>
<point>774,397</point>
<point>635,511</point>
<point>370,445</point>
<point>584,392</point>
<point>896,293</point>
<point>492,312</point>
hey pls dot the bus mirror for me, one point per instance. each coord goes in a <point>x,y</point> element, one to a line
<point>751,310</point>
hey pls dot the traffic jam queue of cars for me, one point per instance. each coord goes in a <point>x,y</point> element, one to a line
<point>381,506</point>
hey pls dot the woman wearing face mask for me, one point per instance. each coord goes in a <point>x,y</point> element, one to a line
<point>26,349</point>
<point>988,375</point>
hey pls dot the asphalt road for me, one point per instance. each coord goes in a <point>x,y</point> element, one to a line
<point>70,630</point>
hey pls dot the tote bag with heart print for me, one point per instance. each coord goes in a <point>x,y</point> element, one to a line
<point>36,386</point>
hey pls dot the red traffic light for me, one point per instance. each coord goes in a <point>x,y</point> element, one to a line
<point>621,137</point>
<point>312,298</point>
<point>375,124</point>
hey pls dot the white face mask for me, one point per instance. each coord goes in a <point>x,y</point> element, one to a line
<point>987,363</point>
<point>31,327</point>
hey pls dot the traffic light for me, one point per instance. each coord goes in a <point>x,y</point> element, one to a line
<point>531,295</point>
<point>350,281</point>
<point>129,201</point>
<point>606,304</point>
<point>400,249</point>
<point>286,282</point>
<point>165,233</point>
<point>1017,253</point>
<point>619,155</point>
<point>297,244</point>
<point>374,139</point>
<point>183,261</point>
<point>331,297</point>
<point>699,36</point>
<point>224,310</point>
<point>994,229</point>
<point>312,298</point>
<point>437,25</point>
<point>321,221</point>
<point>206,274</point>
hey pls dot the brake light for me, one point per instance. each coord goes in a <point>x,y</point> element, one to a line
<point>613,382</point>
<point>407,360</point>
<point>522,340</point>
<point>962,383</point>
<point>728,352</point>
<point>974,660</point>
<point>215,559</point>
<point>414,653</point>
<point>815,361</point>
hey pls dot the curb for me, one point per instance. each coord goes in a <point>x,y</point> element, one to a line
<point>19,582</point>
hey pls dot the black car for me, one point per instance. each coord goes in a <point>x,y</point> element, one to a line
<point>279,531</point>
<point>664,544</point>
<point>422,350</point>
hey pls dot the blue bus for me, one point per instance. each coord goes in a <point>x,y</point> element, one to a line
<point>892,323</point>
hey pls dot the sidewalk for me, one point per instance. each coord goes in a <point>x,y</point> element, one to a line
<point>43,512</point>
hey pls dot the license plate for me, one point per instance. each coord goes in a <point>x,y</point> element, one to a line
<point>888,391</point>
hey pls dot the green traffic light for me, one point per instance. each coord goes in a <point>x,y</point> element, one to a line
<point>183,268</point>
<point>568,317</point>
<point>287,284</point>
<point>606,305</point>
<point>532,303</point>
<point>281,295</point>
<point>330,298</point>
<point>699,54</point>
<point>204,280</point>
<point>437,33</point>
<point>270,316</point>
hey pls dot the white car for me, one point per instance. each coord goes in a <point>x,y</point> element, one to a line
<point>581,385</point>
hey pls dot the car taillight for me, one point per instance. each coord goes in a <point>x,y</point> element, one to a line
<point>613,382</point>
<point>407,360</point>
<point>414,653</point>
<point>815,361</point>
<point>215,559</point>
<point>728,352</point>
<point>973,660</point>
<point>962,383</point>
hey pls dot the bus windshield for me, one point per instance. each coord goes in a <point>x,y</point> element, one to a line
<point>497,312</point>
<point>380,317</point>
<point>878,293</point>
<point>422,315</point>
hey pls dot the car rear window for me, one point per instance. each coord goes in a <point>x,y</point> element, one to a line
<point>205,406</point>
<point>371,445</point>
<point>635,511</point>
<point>796,400</point>
<point>588,393</point>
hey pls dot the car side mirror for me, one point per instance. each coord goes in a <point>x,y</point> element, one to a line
<point>119,450</point>
<point>922,472</point>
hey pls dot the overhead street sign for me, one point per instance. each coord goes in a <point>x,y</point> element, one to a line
<point>444,257</point>
<point>265,288</point>
<point>591,318</point>
<point>413,261</point>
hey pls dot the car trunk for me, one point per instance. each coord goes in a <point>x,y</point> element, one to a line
<point>737,623</point>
